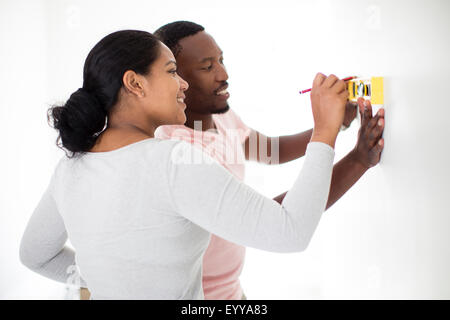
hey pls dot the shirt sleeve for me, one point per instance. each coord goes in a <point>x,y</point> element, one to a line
<point>43,247</point>
<point>208,195</point>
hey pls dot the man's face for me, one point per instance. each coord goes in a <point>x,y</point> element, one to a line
<point>200,63</point>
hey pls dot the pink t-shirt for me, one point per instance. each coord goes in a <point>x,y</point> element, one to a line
<point>223,260</point>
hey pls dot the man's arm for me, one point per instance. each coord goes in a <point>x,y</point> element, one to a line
<point>277,150</point>
<point>365,155</point>
<point>345,174</point>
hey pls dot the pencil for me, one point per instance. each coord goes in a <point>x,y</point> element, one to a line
<point>345,79</point>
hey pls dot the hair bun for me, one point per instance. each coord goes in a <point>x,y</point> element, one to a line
<point>79,121</point>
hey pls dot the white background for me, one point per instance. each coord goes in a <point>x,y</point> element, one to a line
<point>386,238</point>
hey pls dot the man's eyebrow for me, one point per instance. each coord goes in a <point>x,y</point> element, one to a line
<point>206,59</point>
<point>210,58</point>
<point>171,61</point>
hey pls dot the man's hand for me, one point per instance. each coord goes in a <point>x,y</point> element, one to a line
<point>365,155</point>
<point>370,144</point>
<point>350,113</point>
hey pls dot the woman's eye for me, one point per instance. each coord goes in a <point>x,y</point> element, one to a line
<point>173,71</point>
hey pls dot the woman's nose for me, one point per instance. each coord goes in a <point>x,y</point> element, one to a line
<point>183,84</point>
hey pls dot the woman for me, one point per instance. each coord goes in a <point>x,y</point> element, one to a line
<point>130,204</point>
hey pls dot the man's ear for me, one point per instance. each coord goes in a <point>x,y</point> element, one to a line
<point>133,83</point>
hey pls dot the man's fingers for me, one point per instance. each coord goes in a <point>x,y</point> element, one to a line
<point>352,104</point>
<point>373,121</point>
<point>330,81</point>
<point>350,113</point>
<point>379,115</point>
<point>366,115</point>
<point>319,79</point>
<point>360,102</point>
<point>378,148</point>
<point>351,108</point>
<point>376,132</point>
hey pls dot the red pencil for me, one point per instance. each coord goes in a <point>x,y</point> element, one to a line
<point>345,79</point>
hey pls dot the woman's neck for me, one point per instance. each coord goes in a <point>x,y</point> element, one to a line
<point>115,137</point>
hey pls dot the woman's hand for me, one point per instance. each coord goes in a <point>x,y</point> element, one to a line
<point>328,99</point>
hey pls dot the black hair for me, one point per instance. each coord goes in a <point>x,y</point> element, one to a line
<point>171,33</point>
<point>83,117</point>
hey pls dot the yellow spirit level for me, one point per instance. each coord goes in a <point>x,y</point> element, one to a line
<point>367,88</point>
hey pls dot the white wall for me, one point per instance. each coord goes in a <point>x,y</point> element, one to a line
<point>27,154</point>
<point>387,238</point>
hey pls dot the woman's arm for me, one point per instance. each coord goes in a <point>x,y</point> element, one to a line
<point>209,196</point>
<point>43,248</point>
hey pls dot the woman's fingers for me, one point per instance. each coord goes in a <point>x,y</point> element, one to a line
<point>330,81</point>
<point>319,79</point>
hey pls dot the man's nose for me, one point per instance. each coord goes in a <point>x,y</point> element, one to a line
<point>221,74</point>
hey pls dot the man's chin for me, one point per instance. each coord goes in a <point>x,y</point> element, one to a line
<point>219,111</point>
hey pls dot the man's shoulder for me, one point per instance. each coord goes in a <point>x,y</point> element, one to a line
<point>229,119</point>
<point>173,131</point>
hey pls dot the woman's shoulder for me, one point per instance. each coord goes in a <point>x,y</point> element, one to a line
<point>152,152</point>
<point>147,150</point>
<point>134,146</point>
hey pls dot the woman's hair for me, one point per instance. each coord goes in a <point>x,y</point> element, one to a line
<point>83,117</point>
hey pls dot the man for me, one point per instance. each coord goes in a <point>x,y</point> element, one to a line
<point>213,126</point>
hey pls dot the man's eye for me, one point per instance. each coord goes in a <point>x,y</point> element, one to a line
<point>207,68</point>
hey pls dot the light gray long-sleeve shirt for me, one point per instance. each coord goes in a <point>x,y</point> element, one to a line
<point>140,217</point>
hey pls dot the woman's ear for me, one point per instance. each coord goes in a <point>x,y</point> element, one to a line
<point>133,83</point>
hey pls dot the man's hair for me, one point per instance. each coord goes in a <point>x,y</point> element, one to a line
<point>171,33</point>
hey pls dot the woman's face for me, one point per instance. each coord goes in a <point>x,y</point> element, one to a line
<point>164,90</point>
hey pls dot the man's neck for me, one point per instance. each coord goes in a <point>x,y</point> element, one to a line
<point>207,121</point>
